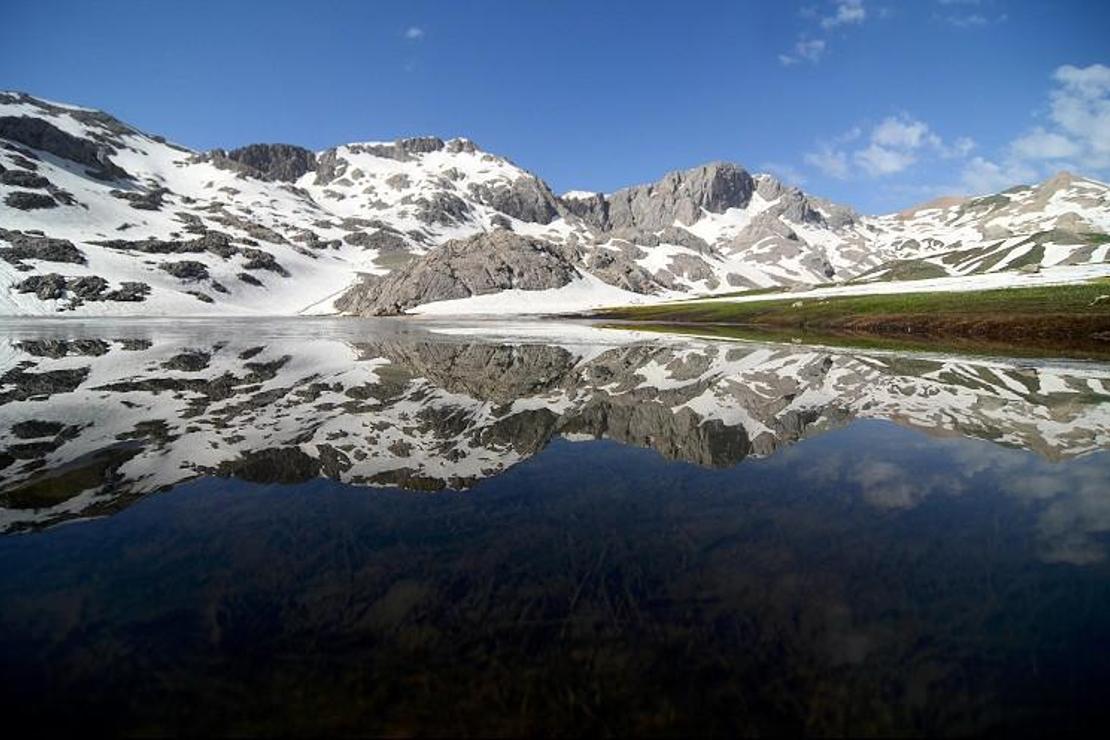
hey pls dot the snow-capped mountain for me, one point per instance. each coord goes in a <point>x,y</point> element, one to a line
<point>95,418</point>
<point>97,217</point>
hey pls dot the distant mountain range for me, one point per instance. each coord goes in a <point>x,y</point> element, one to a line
<point>97,217</point>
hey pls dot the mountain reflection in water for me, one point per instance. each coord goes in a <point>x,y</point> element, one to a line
<point>633,533</point>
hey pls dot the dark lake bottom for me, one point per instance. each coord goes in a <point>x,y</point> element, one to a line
<point>394,529</point>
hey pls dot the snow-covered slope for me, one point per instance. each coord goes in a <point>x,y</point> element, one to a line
<point>97,217</point>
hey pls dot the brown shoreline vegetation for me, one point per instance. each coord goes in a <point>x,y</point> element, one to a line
<point>1070,320</point>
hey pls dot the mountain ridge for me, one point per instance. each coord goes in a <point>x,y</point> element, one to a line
<point>281,229</point>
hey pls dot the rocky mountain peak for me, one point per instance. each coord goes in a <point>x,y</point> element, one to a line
<point>283,162</point>
<point>1061,179</point>
<point>679,196</point>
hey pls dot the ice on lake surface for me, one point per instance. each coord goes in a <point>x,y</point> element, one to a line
<point>427,527</point>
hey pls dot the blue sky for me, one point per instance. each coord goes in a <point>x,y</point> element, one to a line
<point>876,104</point>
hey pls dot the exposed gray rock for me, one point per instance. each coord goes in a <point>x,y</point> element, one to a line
<point>109,126</point>
<point>129,292</point>
<point>683,238</point>
<point>679,196</point>
<point>189,270</point>
<point>50,286</point>
<point>283,162</point>
<point>27,246</point>
<point>329,166</point>
<point>441,208</point>
<point>150,200</point>
<point>270,162</point>
<point>45,136</point>
<point>382,240</point>
<point>484,263</point>
<point>28,201</point>
<point>693,268</point>
<point>279,465</point>
<point>526,199</point>
<point>620,269</point>
<point>259,260</point>
<point>89,288</point>
<point>56,348</point>
<point>456,146</point>
<point>133,344</point>
<point>402,150</point>
<point>188,362</point>
<point>36,429</point>
<point>27,385</point>
<point>594,210</point>
<point>212,241</point>
<point>400,181</point>
<point>23,179</point>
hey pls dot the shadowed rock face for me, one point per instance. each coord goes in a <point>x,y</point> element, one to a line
<point>485,263</point>
<point>26,246</point>
<point>43,135</point>
<point>283,162</point>
<point>402,407</point>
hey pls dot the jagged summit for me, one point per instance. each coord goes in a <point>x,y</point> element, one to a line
<point>99,217</point>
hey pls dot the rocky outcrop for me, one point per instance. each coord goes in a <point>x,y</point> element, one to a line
<point>149,200</point>
<point>45,136</point>
<point>53,286</point>
<point>188,270</point>
<point>25,200</point>
<point>440,208</point>
<point>679,196</point>
<point>27,246</point>
<point>485,263</point>
<point>23,179</point>
<point>281,162</point>
<point>212,241</point>
<point>383,240</point>
<point>526,199</point>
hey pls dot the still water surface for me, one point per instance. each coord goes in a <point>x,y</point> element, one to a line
<point>402,527</point>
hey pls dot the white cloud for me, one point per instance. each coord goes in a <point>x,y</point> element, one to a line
<point>984,176</point>
<point>1074,134</point>
<point>877,160</point>
<point>893,145</point>
<point>809,50</point>
<point>961,147</point>
<point>414,33</point>
<point>970,20</point>
<point>1077,135</point>
<point>1041,144</point>
<point>848,12</point>
<point>969,13</point>
<point>902,132</point>
<point>1081,109</point>
<point>831,162</point>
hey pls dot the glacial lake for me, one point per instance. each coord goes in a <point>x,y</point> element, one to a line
<point>413,527</point>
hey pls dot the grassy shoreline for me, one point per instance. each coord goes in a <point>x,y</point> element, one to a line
<point>1068,320</point>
